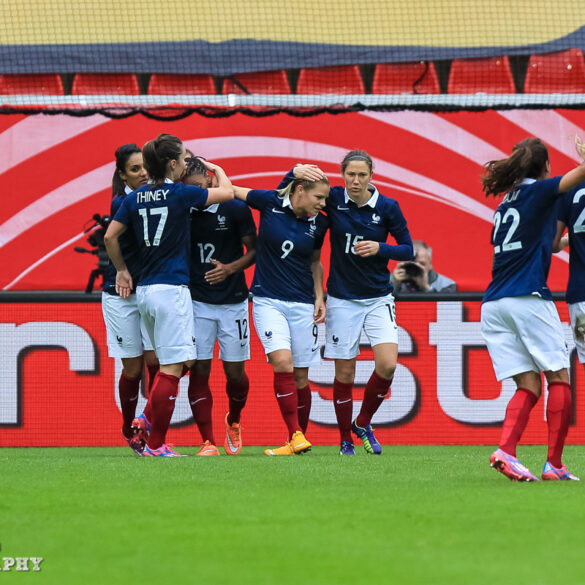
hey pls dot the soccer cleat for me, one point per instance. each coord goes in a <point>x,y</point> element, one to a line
<point>346,448</point>
<point>286,449</point>
<point>299,443</point>
<point>296,446</point>
<point>510,467</point>
<point>233,437</point>
<point>162,451</point>
<point>366,435</point>
<point>135,444</point>
<point>207,450</point>
<point>140,430</point>
<point>550,473</point>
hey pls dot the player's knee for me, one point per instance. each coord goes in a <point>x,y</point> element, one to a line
<point>234,371</point>
<point>386,370</point>
<point>132,367</point>
<point>201,368</point>
<point>301,379</point>
<point>345,371</point>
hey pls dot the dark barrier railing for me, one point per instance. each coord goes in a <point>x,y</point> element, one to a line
<point>95,297</point>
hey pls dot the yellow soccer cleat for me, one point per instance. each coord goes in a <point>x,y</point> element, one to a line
<point>286,449</point>
<point>299,443</point>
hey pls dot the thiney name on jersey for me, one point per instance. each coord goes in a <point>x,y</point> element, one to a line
<point>147,196</point>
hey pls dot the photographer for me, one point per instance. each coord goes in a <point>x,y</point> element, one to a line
<point>418,275</point>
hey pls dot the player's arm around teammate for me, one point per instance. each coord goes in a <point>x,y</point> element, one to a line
<point>288,296</point>
<point>519,320</point>
<point>159,216</point>
<point>359,291</point>
<point>219,235</point>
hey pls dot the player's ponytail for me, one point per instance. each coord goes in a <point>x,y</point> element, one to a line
<point>527,161</point>
<point>158,153</point>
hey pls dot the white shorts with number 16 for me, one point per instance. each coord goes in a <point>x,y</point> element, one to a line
<point>347,317</point>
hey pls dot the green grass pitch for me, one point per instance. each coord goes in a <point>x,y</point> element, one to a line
<point>415,515</point>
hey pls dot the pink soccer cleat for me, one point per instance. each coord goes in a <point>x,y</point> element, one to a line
<point>510,467</point>
<point>162,451</point>
<point>551,473</point>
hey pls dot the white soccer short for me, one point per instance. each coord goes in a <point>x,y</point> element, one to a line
<point>167,313</point>
<point>229,324</point>
<point>347,317</point>
<point>577,313</point>
<point>127,336</point>
<point>523,334</point>
<point>287,325</point>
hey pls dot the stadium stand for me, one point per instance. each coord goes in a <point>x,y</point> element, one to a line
<point>488,75</point>
<point>415,78</point>
<point>262,82</point>
<point>560,72</point>
<point>181,84</point>
<point>36,84</point>
<point>105,83</point>
<point>341,79</point>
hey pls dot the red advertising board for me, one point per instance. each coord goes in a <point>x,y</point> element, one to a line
<point>56,174</point>
<point>58,387</point>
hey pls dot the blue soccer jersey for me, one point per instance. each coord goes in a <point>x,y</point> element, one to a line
<point>350,276</point>
<point>524,228</point>
<point>160,219</point>
<point>129,248</point>
<point>285,248</point>
<point>354,277</point>
<point>571,211</point>
<point>216,233</point>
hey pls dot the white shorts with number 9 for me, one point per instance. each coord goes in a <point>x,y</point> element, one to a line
<point>347,317</point>
<point>228,324</point>
<point>287,325</point>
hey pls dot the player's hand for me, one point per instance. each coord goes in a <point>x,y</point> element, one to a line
<point>308,172</point>
<point>580,146</point>
<point>320,311</point>
<point>365,248</point>
<point>123,283</point>
<point>217,274</point>
<point>211,166</point>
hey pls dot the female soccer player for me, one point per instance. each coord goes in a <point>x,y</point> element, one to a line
<point>127,339</point>
<point>219,234</point>
<point>359,292</point>
<point>159,216</point>
<point>288,295</point>
<point>571,215</point>
<point>519,320</point>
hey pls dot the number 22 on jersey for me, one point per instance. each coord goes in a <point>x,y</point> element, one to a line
<point>512,217</point>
